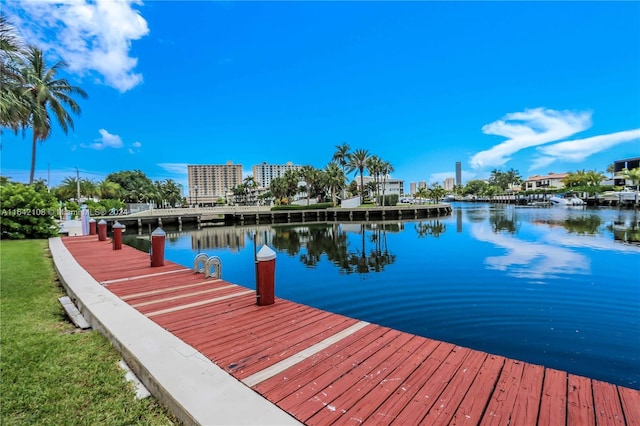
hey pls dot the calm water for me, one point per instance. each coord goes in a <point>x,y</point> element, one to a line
<point>552,286</point>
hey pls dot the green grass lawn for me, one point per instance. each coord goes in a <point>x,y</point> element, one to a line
<point>51,374</point>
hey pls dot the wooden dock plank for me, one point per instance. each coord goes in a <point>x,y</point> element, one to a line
<point>527,403</point>
<point>286,382</point>
<point>389,410</point>
<point>630,401</point>
<point>431,390</point>
<point>553,402</point>
<point>362,380</point>
<point>500,406</point>
<point>306,377</point>
<point>315,396</point>
<point>580,401</point>
<point>449,401</point>
<point>606,403</point>
<point>475,402</point>
<point>395,380</point>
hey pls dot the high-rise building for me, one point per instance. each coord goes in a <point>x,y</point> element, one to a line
<point>422,184</point>
<point>264,173</point>
<point>412,188</point>
<point>448,184</point>
<point>458,173</point>
<point>208,183</point>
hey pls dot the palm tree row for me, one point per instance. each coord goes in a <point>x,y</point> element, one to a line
<point>332,178</point>
<point>32,95</point>
<point>166,192</point>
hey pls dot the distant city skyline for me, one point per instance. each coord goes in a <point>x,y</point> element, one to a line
<point>535,86</point>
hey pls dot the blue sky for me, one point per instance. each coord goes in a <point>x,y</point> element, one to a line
<point>539,87</point>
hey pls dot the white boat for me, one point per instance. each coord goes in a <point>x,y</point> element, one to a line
<point>567,199</point>
<point>627,194</point>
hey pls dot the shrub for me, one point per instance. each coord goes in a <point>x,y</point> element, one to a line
<point>389,200</point>
<point>27,212</point>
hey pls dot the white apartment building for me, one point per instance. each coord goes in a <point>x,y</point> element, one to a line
<point>208,183</point>
<point>264,173</point>
<point>391,186</point>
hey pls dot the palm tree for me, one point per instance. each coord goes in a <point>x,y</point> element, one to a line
<point>422,193</point>
<point>633,175</point>
<point>68,188</point>
<point>278,188</point>
<point>437,193</point>
<point>374,165</point>
<point>291,180</point>
<point>249,186</point>
<point>358,162</point>
<point>47,96</point>
<point>306,173</point>
<point>13,108</point>
<point>108,189</point>
<point>341,157</point>
<point>386,170</point>
<point>334,179</point>
<point>512,176</point>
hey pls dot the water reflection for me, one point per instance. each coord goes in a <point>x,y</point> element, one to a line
<point>432,228</point>
<point>532,260</point>
<point>318,240</point>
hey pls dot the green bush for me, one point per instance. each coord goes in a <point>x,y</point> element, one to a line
<point>27,212</point>
<point>389,200</point>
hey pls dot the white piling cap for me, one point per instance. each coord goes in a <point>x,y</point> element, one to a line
<point>102,222</point>
<point>92,220</point>
<point>158,232</point>
<point>118,225</point>
<point>265,254</point>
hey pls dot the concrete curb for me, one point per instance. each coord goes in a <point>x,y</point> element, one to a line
<point>193,388</point>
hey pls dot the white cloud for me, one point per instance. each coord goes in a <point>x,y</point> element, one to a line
<point>92,37</point>
<point>175,168</point>
<point>136,144</point>
<point>107,140</point>
<point>579,149</point>
<point>530,128</point>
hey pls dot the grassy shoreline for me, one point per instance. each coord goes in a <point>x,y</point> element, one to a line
<point>50,372</point>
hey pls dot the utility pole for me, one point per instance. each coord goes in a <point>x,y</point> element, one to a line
<point>78,185</point>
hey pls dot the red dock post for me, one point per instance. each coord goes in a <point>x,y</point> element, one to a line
<point>93,227</point>
<point>117,235</point>
<point>157,247</point>
<point>102,230</point>
<point>266,270</point>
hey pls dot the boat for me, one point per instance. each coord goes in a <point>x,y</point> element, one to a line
<point>625,195</point>
<point>566,199</point>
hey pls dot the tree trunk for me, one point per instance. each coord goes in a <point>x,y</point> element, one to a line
<point>33,158</point>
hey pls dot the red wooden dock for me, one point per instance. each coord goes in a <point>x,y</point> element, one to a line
<point>324,368</point>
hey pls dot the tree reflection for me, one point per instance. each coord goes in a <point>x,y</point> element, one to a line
<point>626,229</point>
<point>583,225</point>
<point>332,241</point>
<point>503,221</point>
<point>432,228</point>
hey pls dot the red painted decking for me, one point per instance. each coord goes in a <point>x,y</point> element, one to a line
<point>325,368</point>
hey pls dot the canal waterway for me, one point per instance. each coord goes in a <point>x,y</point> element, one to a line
<point>559,287</point>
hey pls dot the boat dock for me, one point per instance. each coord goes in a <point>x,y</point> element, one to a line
<point>244,215</point>
<point>292,363</point>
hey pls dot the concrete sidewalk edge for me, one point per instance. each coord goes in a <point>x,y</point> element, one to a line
<point>192,387</point>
